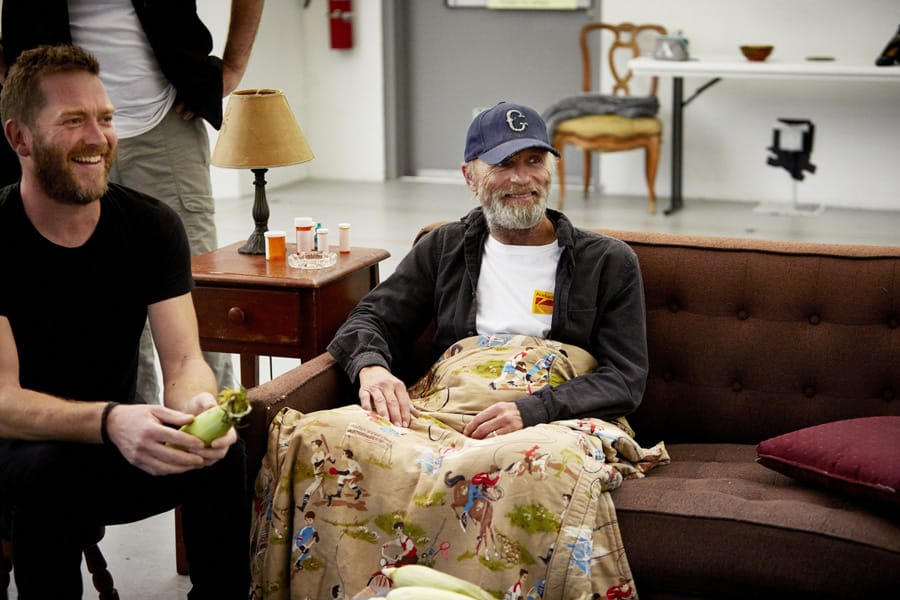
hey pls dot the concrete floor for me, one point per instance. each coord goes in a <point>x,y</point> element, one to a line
<point>388,215</point>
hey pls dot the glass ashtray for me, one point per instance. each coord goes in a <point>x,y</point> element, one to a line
<point>312,260</point>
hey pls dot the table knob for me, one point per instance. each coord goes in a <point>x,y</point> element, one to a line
<point>236,314</point>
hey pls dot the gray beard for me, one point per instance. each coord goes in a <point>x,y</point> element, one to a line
<point>505,216</point>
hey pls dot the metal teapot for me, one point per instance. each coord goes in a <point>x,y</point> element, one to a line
<point>671,47</point>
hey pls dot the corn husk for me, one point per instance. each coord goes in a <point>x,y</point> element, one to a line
<point>215,421</point>
<point>420,578</point>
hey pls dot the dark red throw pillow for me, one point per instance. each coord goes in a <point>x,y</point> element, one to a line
<point>860,457</point>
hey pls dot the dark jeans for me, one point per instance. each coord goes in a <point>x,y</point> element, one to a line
<point>51,493</point>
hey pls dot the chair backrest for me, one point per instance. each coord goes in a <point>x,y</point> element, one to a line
<point>625,41</point>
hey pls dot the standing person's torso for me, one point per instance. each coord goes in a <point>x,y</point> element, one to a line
<point>111,30</point>
<point>76,313</point>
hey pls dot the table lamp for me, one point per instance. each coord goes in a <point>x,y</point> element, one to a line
<point>258,132</point>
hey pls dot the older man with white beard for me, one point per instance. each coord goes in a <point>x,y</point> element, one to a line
<point>511,266</point>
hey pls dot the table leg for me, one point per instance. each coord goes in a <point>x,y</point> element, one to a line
<point>249,370</point>
<point>182,566</point>
<point>675,199</point>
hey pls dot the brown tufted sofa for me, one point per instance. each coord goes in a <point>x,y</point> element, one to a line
<point>748,340</point>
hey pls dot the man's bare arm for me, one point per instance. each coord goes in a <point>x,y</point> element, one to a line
<point>242,29</point>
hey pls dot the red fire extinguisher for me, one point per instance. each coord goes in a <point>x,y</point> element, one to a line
<point>340,16</point>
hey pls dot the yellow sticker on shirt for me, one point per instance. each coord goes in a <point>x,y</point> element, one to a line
<point>542,303</point>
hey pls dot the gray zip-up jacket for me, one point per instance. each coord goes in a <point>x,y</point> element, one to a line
<point>598,306</point>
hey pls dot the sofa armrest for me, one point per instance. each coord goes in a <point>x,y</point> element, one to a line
<point>314,385</point>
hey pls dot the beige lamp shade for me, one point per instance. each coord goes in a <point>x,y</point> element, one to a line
<point>259,131</point>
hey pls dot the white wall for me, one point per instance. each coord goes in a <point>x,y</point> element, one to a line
<point>338,98</point>
<point>337,95</point>
<point>728,127</point>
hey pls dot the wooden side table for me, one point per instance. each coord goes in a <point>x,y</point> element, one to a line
<point>253,307</point>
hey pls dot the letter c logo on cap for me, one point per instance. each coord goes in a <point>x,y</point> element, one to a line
<point>516,120</point>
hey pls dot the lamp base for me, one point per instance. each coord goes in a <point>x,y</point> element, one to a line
<point>256,243</point>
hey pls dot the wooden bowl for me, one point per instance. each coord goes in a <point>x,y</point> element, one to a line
<point>756,53</point>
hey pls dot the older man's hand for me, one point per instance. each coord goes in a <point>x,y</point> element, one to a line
<point>497,419</point>
<point>384,394</point>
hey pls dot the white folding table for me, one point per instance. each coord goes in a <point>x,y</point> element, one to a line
<point>718,68</point>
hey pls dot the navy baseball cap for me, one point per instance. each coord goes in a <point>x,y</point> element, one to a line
<point>503,130</point>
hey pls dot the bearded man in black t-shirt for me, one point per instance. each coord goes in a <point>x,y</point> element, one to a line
<point>84,264</point>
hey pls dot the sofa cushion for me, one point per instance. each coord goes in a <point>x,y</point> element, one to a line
<point>854,456</point>
<point>749,339</point>
<point>714,523</point>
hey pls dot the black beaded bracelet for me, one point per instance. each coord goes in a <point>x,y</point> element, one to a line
<point>104,416</point>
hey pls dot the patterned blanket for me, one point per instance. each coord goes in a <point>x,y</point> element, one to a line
<point>343,493</point>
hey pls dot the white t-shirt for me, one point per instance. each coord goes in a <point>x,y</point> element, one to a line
<point>137,88</point>
<point>515,288</point>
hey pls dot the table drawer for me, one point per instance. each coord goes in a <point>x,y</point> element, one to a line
<point>248,315</point>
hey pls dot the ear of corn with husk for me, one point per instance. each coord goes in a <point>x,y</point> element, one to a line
<point>418,592</point>
<point>420,577</point>
<point>215,421</point>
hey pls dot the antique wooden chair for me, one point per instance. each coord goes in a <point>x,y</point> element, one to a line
<point>612,132</point>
